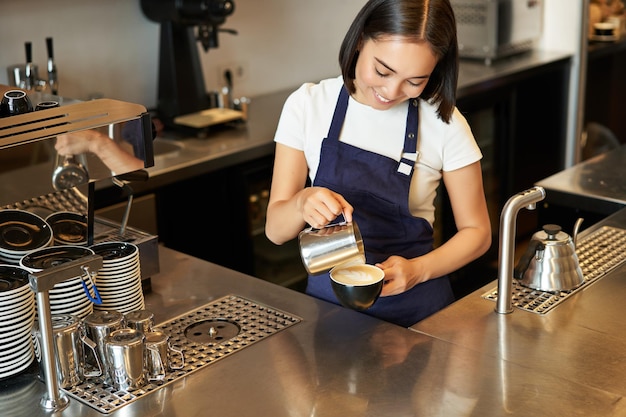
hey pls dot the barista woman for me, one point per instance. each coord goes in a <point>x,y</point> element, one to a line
<point>375,144</point>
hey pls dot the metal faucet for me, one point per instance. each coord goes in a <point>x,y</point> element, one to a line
<point>506,250</point>
<point>41,283</point>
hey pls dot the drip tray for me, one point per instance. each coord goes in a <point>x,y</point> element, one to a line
<point>205,335</point>
<point>598,253</point>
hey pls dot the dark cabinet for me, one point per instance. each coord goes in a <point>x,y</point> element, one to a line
<point>220,217</point>
<point>606,86</point>
<point>207,216</point>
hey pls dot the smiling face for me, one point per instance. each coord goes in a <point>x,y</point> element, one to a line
<point>392,70</point>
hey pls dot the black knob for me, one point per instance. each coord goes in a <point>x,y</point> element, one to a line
<point>552,229</point>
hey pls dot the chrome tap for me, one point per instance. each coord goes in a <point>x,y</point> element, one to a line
<point>30,80</point>
<point>506,250</point>
<point>26,76</point>
<point>53,81</point>
<point>41,283</point>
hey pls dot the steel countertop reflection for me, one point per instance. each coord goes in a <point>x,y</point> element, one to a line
<point>465,360</point>
<point>334,362</point>
<point>596,184</point>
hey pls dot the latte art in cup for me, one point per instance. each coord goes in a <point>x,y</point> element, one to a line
<point>357,286</point>
<point>357,274</point>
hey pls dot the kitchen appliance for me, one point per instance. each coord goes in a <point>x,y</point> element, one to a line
<point>598,253</point>
<point>35,134</point>
<point>53,78</point>
<point>506,247</point>
<point>491,29</point>
<point>550,262</point>
<point>28,163</point>
<point>181,82</point>
<point>104,230</point>
<point>26,75</point>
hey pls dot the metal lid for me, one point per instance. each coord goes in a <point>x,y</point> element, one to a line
<point>552,234</point>
<point>62,323</point>
<point>124,337</point>
<point>156,337</point>
<point>104,318</point>
<point>139,315</point>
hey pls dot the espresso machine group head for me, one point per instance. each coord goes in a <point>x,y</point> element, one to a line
<point>181,82</point>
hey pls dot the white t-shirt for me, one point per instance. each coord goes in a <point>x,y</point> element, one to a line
<point>308,112</point>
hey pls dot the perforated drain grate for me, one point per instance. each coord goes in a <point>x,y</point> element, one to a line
<point>598,254</point>
<point>205,335</point>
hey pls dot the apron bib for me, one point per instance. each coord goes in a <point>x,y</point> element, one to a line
<point>378,189</point>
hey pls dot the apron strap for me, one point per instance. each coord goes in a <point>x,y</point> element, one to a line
<point>339,115</point>
<point>410,154</point>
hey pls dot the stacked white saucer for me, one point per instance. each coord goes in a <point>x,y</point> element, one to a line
<point>17,310</point>
<point>20,233</point>
<point>67,297</point>
<point>119,279</point>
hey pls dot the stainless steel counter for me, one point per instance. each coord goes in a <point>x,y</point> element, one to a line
<point>477,78</point>
<point>335,362</point>
<point>465,360</point>
<point>595,185</point>
<point>570,361</point>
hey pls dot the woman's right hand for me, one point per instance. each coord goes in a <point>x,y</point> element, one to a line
<point>292,204</point>
<point>320,206</point>
<point>75,143</point>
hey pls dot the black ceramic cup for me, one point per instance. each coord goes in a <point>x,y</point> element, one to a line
<point>604,29</point>
<point>46,105</point>
<point>15,102</point>
<point>357,286</point>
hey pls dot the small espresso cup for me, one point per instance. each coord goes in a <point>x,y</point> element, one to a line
<point>357,286</point>
<point>159,355</point>
<point>44,105</point>
<point>604,29</point>
<point>15,102</point>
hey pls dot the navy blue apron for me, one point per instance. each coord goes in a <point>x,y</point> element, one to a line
<point>378,189</point>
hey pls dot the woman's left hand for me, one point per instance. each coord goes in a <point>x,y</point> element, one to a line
<point>399,275</point>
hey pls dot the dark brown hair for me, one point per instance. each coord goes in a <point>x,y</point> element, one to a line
<point>430,21</point>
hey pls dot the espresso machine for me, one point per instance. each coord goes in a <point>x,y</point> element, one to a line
<point>38,180</point>
<point>182,96</point>
<point>34,177</point>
